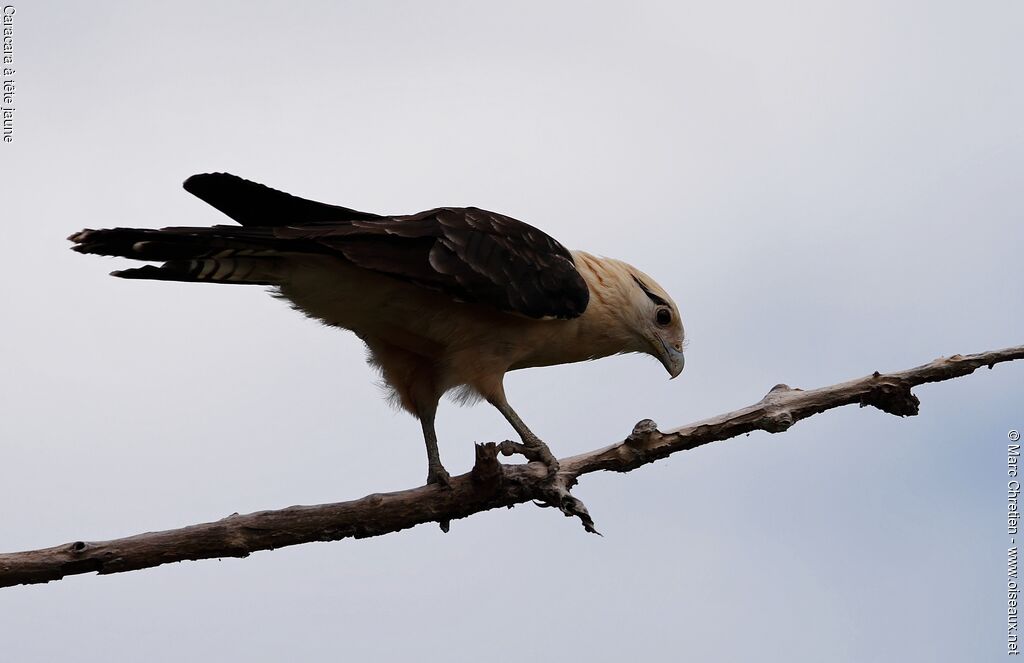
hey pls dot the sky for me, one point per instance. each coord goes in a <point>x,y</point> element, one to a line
<point>825,188</point>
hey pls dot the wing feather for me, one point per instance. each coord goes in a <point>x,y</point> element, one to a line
<point>253,204</point>
<point>468,253</point>
<point>472,254</point>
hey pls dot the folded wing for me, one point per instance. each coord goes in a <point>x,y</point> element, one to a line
<point>470,254</point>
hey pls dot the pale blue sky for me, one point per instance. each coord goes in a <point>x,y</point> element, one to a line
<point>826,189</point>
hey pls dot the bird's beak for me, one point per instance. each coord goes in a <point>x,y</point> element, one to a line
<point>672,359</point>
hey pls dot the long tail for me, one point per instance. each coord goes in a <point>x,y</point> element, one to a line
<point>221,254</point>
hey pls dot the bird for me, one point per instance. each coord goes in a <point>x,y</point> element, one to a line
<point>446,300</point>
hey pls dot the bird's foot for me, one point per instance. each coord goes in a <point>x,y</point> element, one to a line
<point>544,455</point>
<point>533,449</point>
<point>438,475</point>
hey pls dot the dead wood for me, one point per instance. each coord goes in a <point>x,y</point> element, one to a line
<point>489,485</point>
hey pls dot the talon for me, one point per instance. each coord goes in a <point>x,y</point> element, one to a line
<point>509,448</point>
<point>439,476</point>
<point>544,455</point>
<point>548,459</point>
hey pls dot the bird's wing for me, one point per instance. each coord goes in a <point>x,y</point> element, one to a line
<point>252,204</point>
<point>470,254</point>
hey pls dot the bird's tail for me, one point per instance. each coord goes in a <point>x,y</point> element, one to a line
<point>208,255</point>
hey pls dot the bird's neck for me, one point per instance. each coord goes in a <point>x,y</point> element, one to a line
<point>603,329</point>
<point>605,326</point>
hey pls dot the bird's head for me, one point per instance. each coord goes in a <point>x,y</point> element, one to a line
<point>655,321</point>
<point>631,312</point>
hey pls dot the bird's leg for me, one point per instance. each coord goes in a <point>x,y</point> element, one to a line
<point>531,441</point>
<point>435,470</point>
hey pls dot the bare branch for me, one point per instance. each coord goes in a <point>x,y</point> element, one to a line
<point>489,485</point>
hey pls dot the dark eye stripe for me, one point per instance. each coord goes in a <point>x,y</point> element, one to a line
<point>647,291</point>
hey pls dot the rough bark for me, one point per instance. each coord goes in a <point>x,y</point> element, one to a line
<point>489,485</point>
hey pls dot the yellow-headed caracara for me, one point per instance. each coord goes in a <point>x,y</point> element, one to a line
<point>444,299</point>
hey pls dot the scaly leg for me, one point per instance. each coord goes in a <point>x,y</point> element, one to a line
<point>530,440</point>
<point>413,380</point>
<point>435,470</point>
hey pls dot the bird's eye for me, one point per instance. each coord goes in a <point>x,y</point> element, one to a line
<point>663,317</point>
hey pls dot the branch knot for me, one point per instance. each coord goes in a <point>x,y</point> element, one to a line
<point>777,422</point>
<point>894,397</point>
<point>642,432</point>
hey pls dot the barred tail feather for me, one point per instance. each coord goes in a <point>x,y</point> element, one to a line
<point>239,270</point>
<point>213,255</point>
<point>166,244</point>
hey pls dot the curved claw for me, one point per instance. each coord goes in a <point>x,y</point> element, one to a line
<point>438,475</point>
<point>543,454</point>
<point>533,450</point>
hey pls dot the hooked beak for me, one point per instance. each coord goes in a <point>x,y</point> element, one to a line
<point>672,359</point>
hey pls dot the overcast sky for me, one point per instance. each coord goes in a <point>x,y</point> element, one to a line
<point>826,189</point>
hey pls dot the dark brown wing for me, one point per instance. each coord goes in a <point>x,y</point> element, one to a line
<point>471,254</point>
<point>252,204</point>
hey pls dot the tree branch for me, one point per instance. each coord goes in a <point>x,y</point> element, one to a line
<point>489,485</point>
